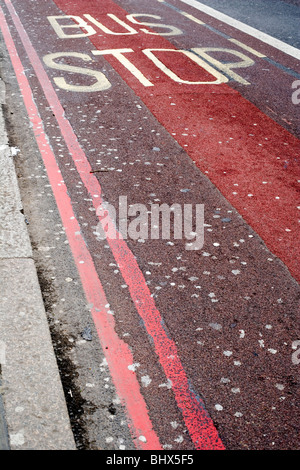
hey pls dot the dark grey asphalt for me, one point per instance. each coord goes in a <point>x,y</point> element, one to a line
<point>278,18</point>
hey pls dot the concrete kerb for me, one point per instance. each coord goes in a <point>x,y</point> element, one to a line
<point>33,412</point>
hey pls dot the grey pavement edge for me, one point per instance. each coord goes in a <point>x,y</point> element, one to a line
<point>33,411</point>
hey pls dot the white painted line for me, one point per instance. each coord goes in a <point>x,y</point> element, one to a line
<point>247,48</point>
<point>266,38</point>
<point>191,17</point>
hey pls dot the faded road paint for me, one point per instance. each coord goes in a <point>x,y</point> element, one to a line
<point>169,97</point>
<point>199,424</point>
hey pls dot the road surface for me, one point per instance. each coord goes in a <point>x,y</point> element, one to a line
<point>173,341</point>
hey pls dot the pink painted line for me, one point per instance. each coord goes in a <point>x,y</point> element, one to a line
<point>200,426</point>
<point>118,355</point>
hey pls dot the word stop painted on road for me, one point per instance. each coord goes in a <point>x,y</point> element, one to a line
<point>216,72</point>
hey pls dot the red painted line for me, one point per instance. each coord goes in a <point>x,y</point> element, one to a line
<point>197,420</point>
<point>252,160</point>
<point>117,352</point>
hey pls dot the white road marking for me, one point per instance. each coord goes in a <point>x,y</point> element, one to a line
<point>266,38</point>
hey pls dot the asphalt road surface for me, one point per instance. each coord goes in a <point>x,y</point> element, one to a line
<point>186,340</point>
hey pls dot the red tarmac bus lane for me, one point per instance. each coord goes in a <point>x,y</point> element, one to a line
<point>253,161</point>
<point>199,425</point>
<point>271,77</point>
<point>270,73</point>
<point>260,48</point>
<point>221,302</point>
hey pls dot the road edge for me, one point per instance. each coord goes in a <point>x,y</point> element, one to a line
<point>34,411</point>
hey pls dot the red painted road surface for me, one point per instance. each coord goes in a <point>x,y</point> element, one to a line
<point>162,103</point>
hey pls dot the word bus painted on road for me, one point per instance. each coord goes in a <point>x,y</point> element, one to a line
<point>219,72</point>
